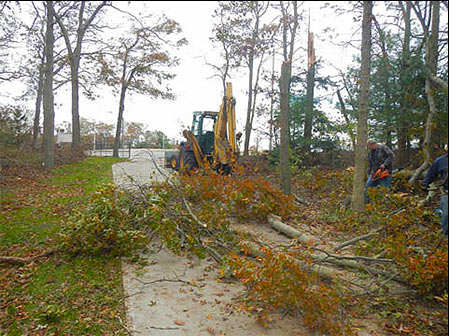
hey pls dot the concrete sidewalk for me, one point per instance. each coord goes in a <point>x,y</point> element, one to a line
<point>175,295</point>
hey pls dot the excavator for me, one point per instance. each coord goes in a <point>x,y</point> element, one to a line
<point>212,139</point>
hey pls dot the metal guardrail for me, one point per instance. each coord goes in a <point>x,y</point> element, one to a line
<point>123,152</point>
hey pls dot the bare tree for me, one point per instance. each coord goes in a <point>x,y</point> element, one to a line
<point>403,76</point>
<point>140,61</point>
<point>357,199</point>
<point>308,121</point>
<point>9,34</point>
<point>431,40</point>
<point>245,40</point>
<point>290,23</point>
<point>34,63</point>
<point>222,35</point>
<point>48,94</point>
<point>74,54</point>
<point>255,49</point>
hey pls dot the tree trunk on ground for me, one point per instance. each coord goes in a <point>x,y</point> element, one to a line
<point>357,200</point>
<point>48,95</point>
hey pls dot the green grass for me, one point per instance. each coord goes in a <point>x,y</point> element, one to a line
<point>58,295</point>
<point>88,174</point>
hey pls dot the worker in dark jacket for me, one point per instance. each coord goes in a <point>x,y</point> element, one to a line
<point>380,166</point>
<point>439,170</point>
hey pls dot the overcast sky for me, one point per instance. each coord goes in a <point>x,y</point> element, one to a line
<point>194,86</point>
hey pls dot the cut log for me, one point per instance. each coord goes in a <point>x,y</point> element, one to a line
<point>334,260</point>
<point>275,222</point>
<point>357,239</point>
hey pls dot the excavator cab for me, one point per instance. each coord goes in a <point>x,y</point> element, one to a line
<point>203,126</point>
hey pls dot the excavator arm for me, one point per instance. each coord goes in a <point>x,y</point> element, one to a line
<point>225,150</point>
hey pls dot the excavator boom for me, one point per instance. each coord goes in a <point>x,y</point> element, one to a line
<point>225,130</point>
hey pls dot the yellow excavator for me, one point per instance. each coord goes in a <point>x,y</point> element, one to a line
<point>212,139</point>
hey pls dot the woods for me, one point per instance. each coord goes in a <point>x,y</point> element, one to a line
<point>305,110</point>
<point>407,80</point>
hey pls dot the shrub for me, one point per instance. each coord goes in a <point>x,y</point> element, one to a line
<point>104,227</point>
<point>14,129</point>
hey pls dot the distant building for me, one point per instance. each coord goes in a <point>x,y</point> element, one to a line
<point>64,134</point>
<point>63,137</point>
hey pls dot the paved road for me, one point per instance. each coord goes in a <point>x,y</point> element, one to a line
<point>178,296</point>
<point>141,169</point>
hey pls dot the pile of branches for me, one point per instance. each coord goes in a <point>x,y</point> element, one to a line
<point>182,226</point>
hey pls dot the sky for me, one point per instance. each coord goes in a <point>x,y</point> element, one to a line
<point>195,87</point>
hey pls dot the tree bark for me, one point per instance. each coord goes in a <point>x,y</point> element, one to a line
<point>252,92</point>
<point>48,94</point>
<point>290,232</point>
<point>123,92</point>
<point>346,261</point>
<point>357,200</point>
<point>308,120</point>
<point>76,127</point>
<point>248,124</point>
<point>285,176</point>
<point>343,109</point>
<point>290,24</point>
<point>125,83</point>
<point>38,104</point>
<point>431,67</point>
<point>404,77</point>
<point>271,108</point>
<point>24,261</point>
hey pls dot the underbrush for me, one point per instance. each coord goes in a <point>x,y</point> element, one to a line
<point>103,227</point>
<point>409,234</point>
<point>277,282</point>
<point>193,214</point>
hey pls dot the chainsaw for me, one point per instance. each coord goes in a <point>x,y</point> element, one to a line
<point>380,174</point>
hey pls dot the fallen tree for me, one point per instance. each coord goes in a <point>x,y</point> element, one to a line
<point>345,261</point>
<point>326,263</point>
